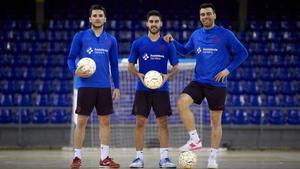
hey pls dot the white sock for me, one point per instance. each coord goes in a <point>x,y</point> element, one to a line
<point>163,153</point>
<point>104,151</point>
<point>213,154</point>
<point>194,136</point>
<point>139,154</point>
<point>77,153</point>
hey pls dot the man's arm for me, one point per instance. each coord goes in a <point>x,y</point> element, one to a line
<point>181,49</point>
<point>132,69</point>
<point>114,68</point>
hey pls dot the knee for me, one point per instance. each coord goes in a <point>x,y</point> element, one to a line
<point>105,122</point>
<point>163,123</point>
<point>81,124</point>
<point>140,123</point>
<point>182,103</point>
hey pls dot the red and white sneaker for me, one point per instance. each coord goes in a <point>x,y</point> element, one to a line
<point>191,146</point>
<point>108,163</point>
<point>76,163</point>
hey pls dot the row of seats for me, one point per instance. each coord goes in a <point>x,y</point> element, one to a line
<point>140,24</point>
<point>34,73</point>
<point>263,100</point>
<point>61,100</point>
<point>239,117</point>
<point>37,116</point>
<point>265,87</point>
<point>271,36</point>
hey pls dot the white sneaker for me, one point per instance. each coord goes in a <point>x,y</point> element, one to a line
<point>191,146</point>
<point>166,163</point>
<point>137,163</point>
<point>212,164</point>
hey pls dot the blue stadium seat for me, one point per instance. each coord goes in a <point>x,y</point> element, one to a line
<point>287,25</point>
<point>240,117</point>
<point>23,100</point>
<point>40,116</point>
<point>277,117</point>
<point>6,100</point>
<point>249,74</point>
<point>22,116</point>
<point>269,88</point>
<point>271,25</point>
<point>234,87</point>
<point>41,100</point>
<point>5,116</point>
<point>251,87</point>
<point>293,117</point>
<point>45,87</point>
<point>26,87</point>
<point>283,74</point>
<point>288,36</point>
<point>226,117</point>
<point>271,36</point>
<point>258,117</point>
<point>255,25</point>
<point>59,116</point>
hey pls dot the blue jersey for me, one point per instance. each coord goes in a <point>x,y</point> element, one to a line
<point>103,50</point>
<point>152,55</point>
<point>212,49</point>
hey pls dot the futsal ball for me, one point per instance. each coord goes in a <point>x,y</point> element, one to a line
<point>87,64</point>
<point>187,160</point>
<point>153,79</point>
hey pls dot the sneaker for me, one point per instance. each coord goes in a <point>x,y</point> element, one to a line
<point>108,162</point>
<point>191,146</point>
<point>166,163</point>
<point>212,164</point>
<point>137,163</point>
<point>76,163</point>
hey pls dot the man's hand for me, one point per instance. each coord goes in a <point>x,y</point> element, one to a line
<point>84,74</point>
<point>168,38</point>
<point>141,76</point>
<point>116,95</point>
<point>221,75</point>
<point>165,79</point>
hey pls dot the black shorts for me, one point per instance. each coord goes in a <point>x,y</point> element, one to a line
<point>215,95</point>
<point>159,101</point>
<point>89,97</point>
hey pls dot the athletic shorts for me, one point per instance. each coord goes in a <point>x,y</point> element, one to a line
<point>89,97</point>
<point>215,96</point>
<point>159,101</point>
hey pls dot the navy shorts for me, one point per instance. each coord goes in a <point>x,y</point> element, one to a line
<point>158,100</point>
<point>215,95</point>
<point>89,97</point>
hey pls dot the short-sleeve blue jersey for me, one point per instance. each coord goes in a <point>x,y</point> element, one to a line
<point>212,49</point>
<point>103,50</point>
<point>152,55</point>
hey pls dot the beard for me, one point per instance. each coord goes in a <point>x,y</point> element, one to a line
<point>154,31</point>
<point>97,26</point>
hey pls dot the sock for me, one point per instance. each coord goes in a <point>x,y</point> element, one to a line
<point>139,154</point>
<point>77,153</point>
<point>163,153</point>
<point>104,151</point>
<point>194,136</point>
<point>213,154</point>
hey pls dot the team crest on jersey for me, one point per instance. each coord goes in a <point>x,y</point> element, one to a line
<point>216,39</point>
<point>198,50</point>
<point>89,50</point>
<point>145,56</point>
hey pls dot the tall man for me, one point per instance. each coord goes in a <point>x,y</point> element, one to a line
<point>153,53</point>
<point>212,46</point>
<point>95,90</point>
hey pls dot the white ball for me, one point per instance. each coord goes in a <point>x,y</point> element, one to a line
<point>87,64</point>
<point>187,160</point>
<point>153,79</point>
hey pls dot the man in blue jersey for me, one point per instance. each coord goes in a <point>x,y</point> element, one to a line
<point>212,46</point>
<point>95,90</point>
<point>152,53</point>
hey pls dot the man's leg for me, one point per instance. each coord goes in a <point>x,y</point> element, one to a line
<point>164,143</point>
<point>80,132</point>
<point>188,120</point>
<point>141,122</point>
<point>216,136</point>
<point>104,134</point>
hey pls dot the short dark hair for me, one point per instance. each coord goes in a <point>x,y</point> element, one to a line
<point>97,7</point>
<point>153,13</point>
<point>208,5</point>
